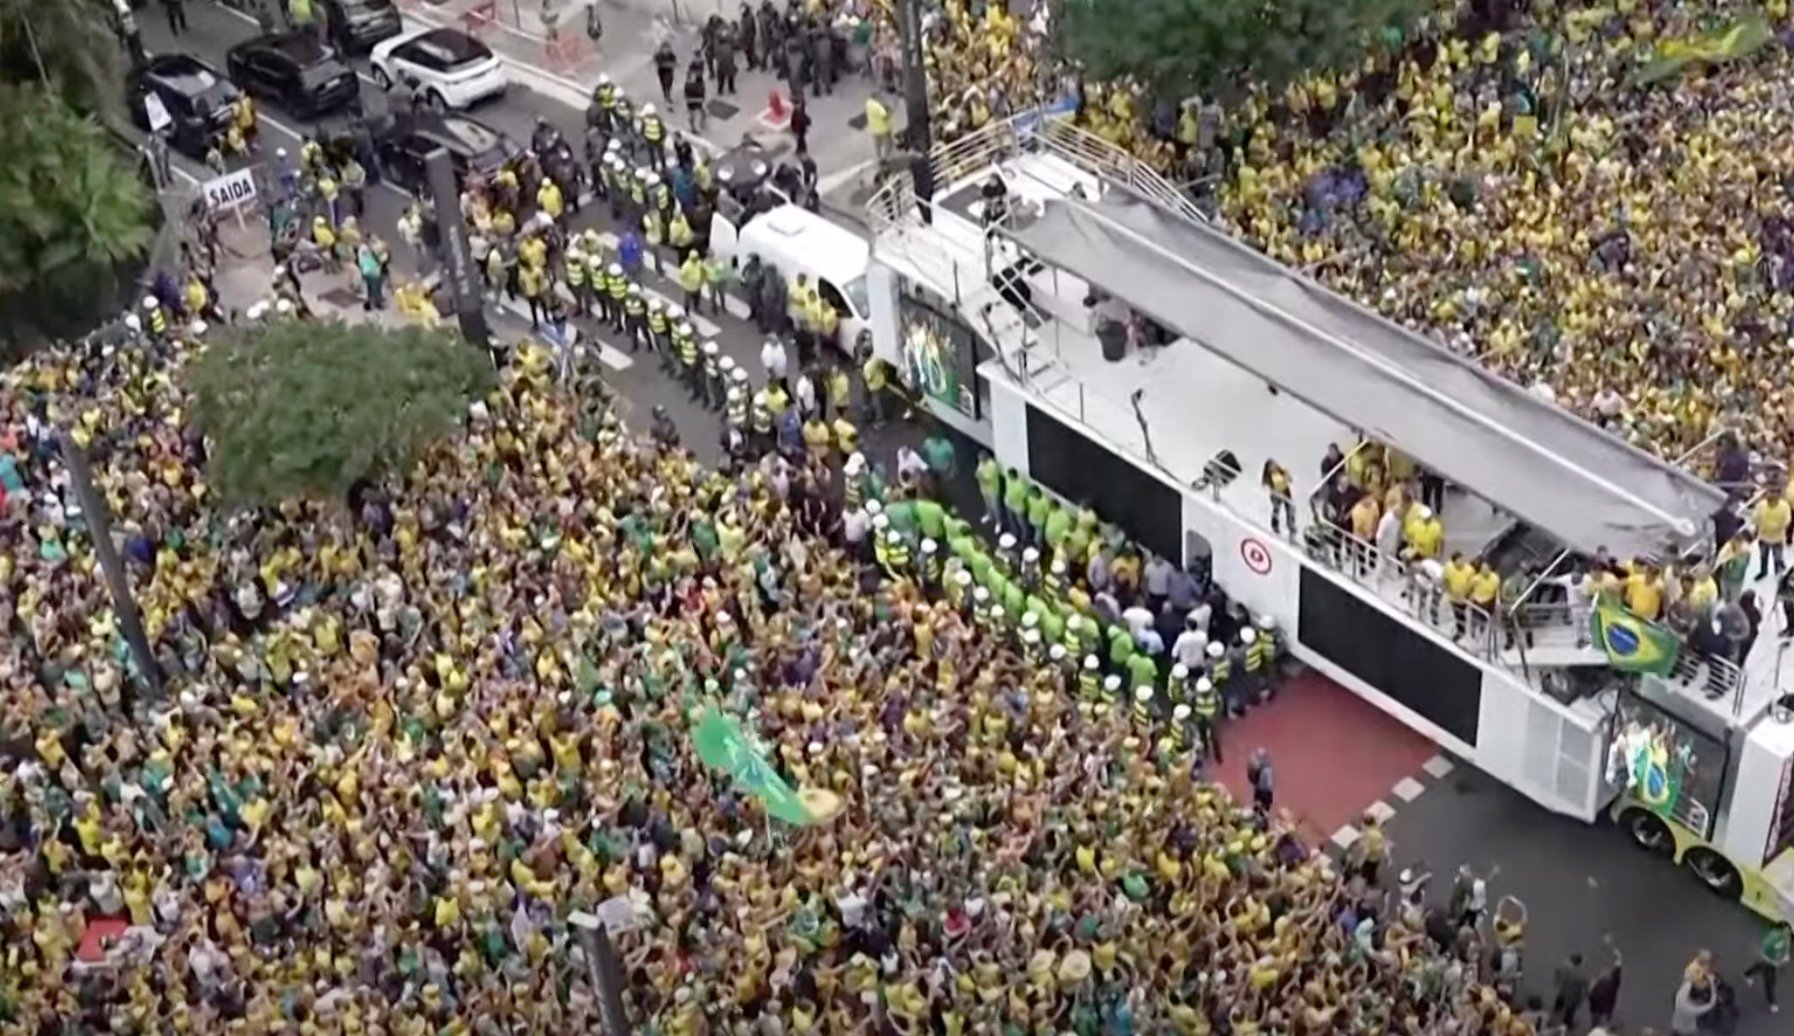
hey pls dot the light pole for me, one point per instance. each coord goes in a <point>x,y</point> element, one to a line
<point>915,77</point>
<point>99,526</point>
<point>603,970</point>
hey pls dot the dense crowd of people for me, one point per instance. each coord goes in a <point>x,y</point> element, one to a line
<point>406,735</point>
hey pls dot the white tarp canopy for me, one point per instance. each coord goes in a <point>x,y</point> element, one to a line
<point>1521,452</point>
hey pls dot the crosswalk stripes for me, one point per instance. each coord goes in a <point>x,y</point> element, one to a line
<point>734,305</point>
<point>608,355</point>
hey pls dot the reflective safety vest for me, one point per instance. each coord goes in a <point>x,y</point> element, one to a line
<point>618,286</point>
<point>653,130</point>
<point>711,369</point>
<point>762,414</point>
<point>1258,653</point>
<point>1090,684</point>
<point>663,200</point>
<point>158,322</point>
<point>633,307</point>
<point>638,192</point>
<point>1206,704</point>
<point>657,320</point>
<point>651,228</point>
<point>879,552</point>
<point>896,556</point>
<point>687,348</point>
<point>981,610</point>
<point>853,491</point>
<point>1219,671</point>
<point>607,97</point>
<point>737,409</point>
<point>576,271</point>
<point>1143,711</point>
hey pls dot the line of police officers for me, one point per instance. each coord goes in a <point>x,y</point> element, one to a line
<point>1012,591</point>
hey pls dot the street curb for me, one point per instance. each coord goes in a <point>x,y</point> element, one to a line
<point>1404,791</point>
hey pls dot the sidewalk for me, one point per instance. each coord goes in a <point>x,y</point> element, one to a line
<point>246,271</point>
<point>568,69</point>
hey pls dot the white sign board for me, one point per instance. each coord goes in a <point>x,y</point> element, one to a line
<point>230,191</point>
<point>157,112</point>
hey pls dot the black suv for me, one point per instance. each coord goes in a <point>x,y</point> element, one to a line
<point>295,71</point>
<point>198,100</point>
<point>354,26</point>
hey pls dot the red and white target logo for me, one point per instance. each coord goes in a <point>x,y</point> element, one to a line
<point>1256,555</point>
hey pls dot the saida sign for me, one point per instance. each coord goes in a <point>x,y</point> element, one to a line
<point>230,191</point>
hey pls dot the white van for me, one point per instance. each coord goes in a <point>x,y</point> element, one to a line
<point>795,240</point>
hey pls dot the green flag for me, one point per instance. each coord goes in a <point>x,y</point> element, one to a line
<point>1739,39</point>
<point>722,744</point>
<point>1632,644</point>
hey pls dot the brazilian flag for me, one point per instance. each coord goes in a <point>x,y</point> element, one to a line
<point>1632,644</point>
<point>1738,39</point>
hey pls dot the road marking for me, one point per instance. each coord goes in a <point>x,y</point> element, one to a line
<point>1438,767</point>
<point>1408,789</point>
<point>611,357</point>
<point>733,304</point>
<point>1346,836</point>
<point>1379,811</point>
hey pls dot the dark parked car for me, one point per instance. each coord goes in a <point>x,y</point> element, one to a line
<point>354,26</point>
<point>473,146</point>
<point>295,71</point>
<point>196,97</point>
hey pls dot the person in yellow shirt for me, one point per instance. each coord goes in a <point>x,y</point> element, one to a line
<point>1365,514</point>
<point>878,123</point>
<point>1459,575</point>
<point>1644,592</point>
<point>1422,533</point>
<point>1773,516</point>
<point>1484,589</point>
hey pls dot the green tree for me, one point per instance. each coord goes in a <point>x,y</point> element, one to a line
<point>306,410</point>
<point>1213,48</point>
<point>71,211</point>
<point>67,45</point>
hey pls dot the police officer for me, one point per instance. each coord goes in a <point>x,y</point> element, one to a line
<point>155,319</point>
<point>617,184</point>
<point>604,104</point>
<point>657,329</point>
<point>601,292</point>
<point>929,570</point>
<point>1029,576</point>
<point>575,261</point>
<point>1205,704</point>
<point>1006,554</point>
<point>735,410</point>
<point>712,386</point>
<point>1111,689</point>
<point>1178,688</point>
<point>685,342</point>
<point>896,554</point>
<point>616,285</point>
<point>1253,659</point>
<point>959,590</point>
<point>1179,735</point>
<point>725,376</point>
<point>1220,674</point>
<point>1090,678</point>
<point>1031,646</point>
<point>761,412</point>
<point>981,605</point>
<point>654,136</point>
<point>635,317</point>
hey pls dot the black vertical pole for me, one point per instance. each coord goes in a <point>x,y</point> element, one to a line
<point>463,274</point>
<point>606,974</point>
<point>915,77</point>
<point>99,526</point>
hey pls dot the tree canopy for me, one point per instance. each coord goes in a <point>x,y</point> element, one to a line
<point>71,210</point>
<point>295,409</point>
<point>68,46</point>
<point>1212,48</point>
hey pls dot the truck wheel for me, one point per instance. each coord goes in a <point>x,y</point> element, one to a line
<point>1716,872</point>
<point>1649,832</point>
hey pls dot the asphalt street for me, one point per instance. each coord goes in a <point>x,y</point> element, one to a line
<point>213,30</point>
<point>1576,881</point>
<point>1579,882</point>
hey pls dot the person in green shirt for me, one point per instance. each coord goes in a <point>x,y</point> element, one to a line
<point>1142,671</point>
<point>1121,645</point>
<point>1038,505</point>
<point>937,450</point>
<point>931,519</point>
<point>1057,528</point>
<point>1015,503</point>
<point>1772,957</point>
<point>903,517</point>
<point>990,486</point>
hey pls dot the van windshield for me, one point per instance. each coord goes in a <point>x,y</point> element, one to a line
<point>855,290</point>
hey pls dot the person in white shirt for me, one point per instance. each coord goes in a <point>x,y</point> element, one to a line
<point>805,394</point>
<point>1190,644</point>
<point>1389,536</point>
<point>772,357</point>
<point>1138,620</point>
